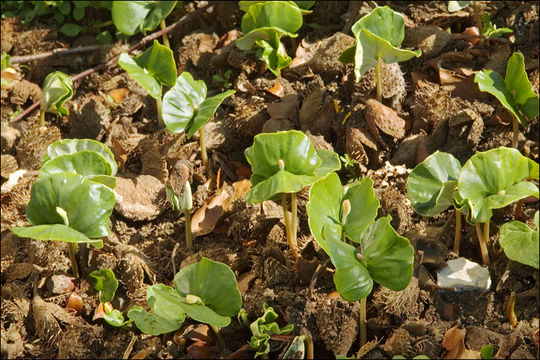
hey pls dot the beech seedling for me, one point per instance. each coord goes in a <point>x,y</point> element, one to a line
<point>183,203</point>
<point>264,24</point>
<point>514,92</point>
<point>57,89</point>
<point>206,291</point>
<point>68,207</point>
<point>378,37</point>
<point>520,242</point>
<point>106,284</point>
<point>186,108</point>
<point>152,69</point>
<point>284,163</point>
<point>338,214</point>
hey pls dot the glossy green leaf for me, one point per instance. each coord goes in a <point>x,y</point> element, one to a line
<point>454,6</point>
<point>55,232</point>
<point>57,89</point>
<point>85,163</point>
<point>383,22</point>
<point>105,283</point>
<point>146,80</point>
<point>114,318</point>
<point>166,302</point>
<point>185,106</point>
<point>491,30</point>
<point>214,283</point>
<point>268,34</point>
<point>263,328</point>
<point>158,60</point>
<point>130,17</point>
<point>520,242</point>
<point>514,92</point>
<point>182,202</point>
<point>88,204</point>
<point>494,179</point>
<point>370,47</point>
<point>329,163</point>
<point>72,146</point>
<point>279,14</point>
<point>152,324</point>
<point>363,207</point>
<point>432,183</point>
<point>275,59</point>
<point>304,6</point>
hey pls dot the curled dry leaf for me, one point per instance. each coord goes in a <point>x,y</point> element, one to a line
<point>454,343</point>
<point>120,154</point>
<point>283,109</point>
<point>277,90</point>
<point>119,95</point>
<point>99,313</point>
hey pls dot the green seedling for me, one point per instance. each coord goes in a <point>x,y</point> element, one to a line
<point>57,89</point>
<point>263,328</point>
<point>514,91</point>
<point>378,37</point>
<point>486,352</point>
<point>263,25</point>
<point>68,207</point>
<point>183,203</point>
<point>186,108</point>
<point>431,186</point>
<point>89,158</point>
<point>206,291</point>
<point>304,6</point>
<point>492,180</point>
<point>520,242</point>
<point>225,80</point>
<point>131,17</point>
<point>106,284</point>
<point>7,70</point>
<point>490,30</point>
<point>152,69</point>
<point>350,166</point>
<point>379,254</point>
<point>284,163</point>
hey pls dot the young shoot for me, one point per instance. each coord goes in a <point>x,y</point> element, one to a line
<point>186,108</point>
<point>106,284</point>
<point>183,203</point>
<point>57,89</point>
<point>283,163</point>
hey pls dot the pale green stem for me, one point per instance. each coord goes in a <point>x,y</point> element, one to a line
<point>515,129</point>
<point>363,331</point>
<point>204,156</point>
<point>189,236</point>
<point>512,318</point>
<point>379,82</point>
<point>158,107</point>
<point>72,248</point>
<point>294,217</point>
<point>457,235</point>
<point>219,338</point>
<point>310,353</point>
<point>41,118</point>
<point>102,25</point>
<point>288,227</point>
<point>165,36</point>
<point>482,242</point>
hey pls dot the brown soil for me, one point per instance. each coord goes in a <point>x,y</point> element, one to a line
<point>146,243</point>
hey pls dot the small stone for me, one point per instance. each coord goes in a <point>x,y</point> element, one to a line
<point>140,198</point>
<point>462,275</point>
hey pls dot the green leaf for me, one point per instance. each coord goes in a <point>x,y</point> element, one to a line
<point>166,302</point>
<point>432,183</point>
<point>494,179</point>
<point>114,318</point>
<point>185,106</point>
<point>158,60</point>
<point>5,61</point>
<point>383,22</point>
<point>329,163</point>
<point>130,17</point>
<point>182,202</point>
<point>514,92</point>
<point>277,14</point>
<point>146,80</point>
<point>71,29</point>
<point>64,7</point>
<point>389,256</point>
<point>152,324</point>
<point>56,232</point>
<point>214,283</point>
<point>85,163</point>
<point>105,283</point>
<point>454,6</point>
<point>78,12</point>
<point>57,89</point>
<point>370,47</point>
<point>486,352</point>
<point>347,56</point>
<point>268,34</point>
<point>73,146</point>
<point>274,58</point>
<point>105,37</point>
<point>263,328</point>
<point>88,204</point>
<point>364,207</point>
<point>520,242</point>
<point>490,29</point>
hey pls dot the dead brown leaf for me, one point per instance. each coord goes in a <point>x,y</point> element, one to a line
<point>277,90</point>
<point>454,343</point>
<point>379,116</point>
<point>283,109</point>
<point>119,94</point>
<point>120,154</point>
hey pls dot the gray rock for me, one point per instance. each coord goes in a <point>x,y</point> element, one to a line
<point>462,275</point>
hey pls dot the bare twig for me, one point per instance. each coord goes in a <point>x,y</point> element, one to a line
<point>46,54</point>
<point>129,347</point>
<point>187,18</point>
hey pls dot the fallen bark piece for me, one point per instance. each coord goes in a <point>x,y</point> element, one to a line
<point>140,198</point>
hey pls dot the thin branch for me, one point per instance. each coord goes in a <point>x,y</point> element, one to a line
<point>46,54</point>
<point>187,18</point>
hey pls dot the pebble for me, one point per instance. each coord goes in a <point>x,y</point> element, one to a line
<point>463,275</point>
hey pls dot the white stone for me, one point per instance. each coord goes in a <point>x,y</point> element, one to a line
<point>461,274</point>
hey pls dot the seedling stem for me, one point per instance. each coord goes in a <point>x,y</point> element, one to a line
<point>189,237</point>
<point>204,156</point>
<point>291,234</point>
<point>512,318</point>
<point>165,36</point>
<point>379,85</point>
<point>482,242</point>
<point>363,332</point>
<point>41,118</point>
<point>457,235</point>
<point>158,107</point>
<point>72,247</point>
<point>515,129</point>
<point>219,338</point>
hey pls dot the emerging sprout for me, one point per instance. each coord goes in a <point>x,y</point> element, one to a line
<point>183,203</point>
<point>57,89</point>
